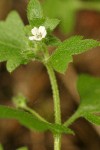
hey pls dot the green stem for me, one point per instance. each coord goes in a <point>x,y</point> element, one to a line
<point>34,113</point>
<point>56,98</point>
<point>55,94</point>
<point>71,119</point>
<point>57,142</point>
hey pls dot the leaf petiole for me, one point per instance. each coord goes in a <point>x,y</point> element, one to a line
<point>35,114</point>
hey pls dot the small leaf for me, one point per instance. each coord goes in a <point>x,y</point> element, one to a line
<point>13,42</point>
<point>51,40</point>
<point>51,23</point>
<point>89,91</point>
<point>63,54</point>
<point>14,63</point>
<point>30,121</point>
<point>35,13</point>
<point>27,30</point>
<point>89,108</point>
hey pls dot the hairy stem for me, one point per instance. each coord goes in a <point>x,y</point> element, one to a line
<point>55,94</point>
<point>57,142</point>
<point>56,98</point>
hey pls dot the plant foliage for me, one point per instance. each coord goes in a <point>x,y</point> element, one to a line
<point>31,121</point>
<point>89,90</point>
<point>89,108</point>
<point>62,56</point>
<point>13,42</point>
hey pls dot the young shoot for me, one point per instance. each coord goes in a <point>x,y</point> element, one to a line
<point>28,43</point>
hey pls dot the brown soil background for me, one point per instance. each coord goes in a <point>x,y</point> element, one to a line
<point>33,81</point>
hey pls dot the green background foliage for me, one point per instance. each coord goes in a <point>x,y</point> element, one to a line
<point>66,11</point>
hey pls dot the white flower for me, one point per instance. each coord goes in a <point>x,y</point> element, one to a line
<point>38,33</point>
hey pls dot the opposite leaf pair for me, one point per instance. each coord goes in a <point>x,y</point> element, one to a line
<point>16,49</point>
<point>88,109</point>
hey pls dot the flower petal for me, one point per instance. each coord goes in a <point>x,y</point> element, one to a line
<point>38,38</point>
<point>42,29</point>
<point>31,38</point>
<point>35,30</point>
<point>44,34</point>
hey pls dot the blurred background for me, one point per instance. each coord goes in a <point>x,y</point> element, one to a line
<point>78,17</point>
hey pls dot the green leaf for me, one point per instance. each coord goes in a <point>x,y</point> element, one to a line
<point>62,56</point>
<point>24,118</point>
<point>30,121</point>
<point>12,41</point>
<point>35,13</point>
<point>89,108</point>
<point>22,148</point>
<point>89,91</point>
<point>51,40</point>
<point>51,23</point>
<point>92,118</point>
